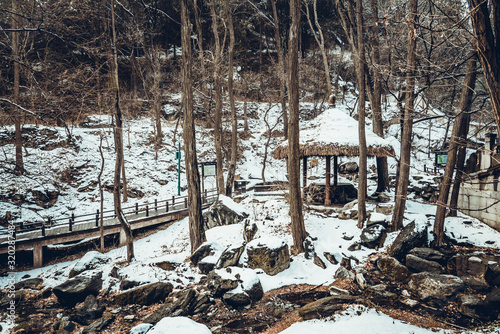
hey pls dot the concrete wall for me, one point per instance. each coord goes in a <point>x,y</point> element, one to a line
<point>480,197</point>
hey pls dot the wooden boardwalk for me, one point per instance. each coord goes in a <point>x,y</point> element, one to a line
<point>70,229</point>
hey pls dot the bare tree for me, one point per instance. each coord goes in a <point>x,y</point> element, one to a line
<point>298,229</point>
<point>218,96</point>
<point>320,39</point>
<point>234,121</point>
<point>101,193</point>
<point>459,128</point>
<point>118,134</point>
<point>19,169</point>
<point>196,232</point>
<point>281,68</point>
<point>404,171</point>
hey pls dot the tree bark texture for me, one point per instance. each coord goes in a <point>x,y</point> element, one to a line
<point>196,231</point>
<point>218,98</point>
<point>118,133</point>
<point>487,39</point>
<point>298,228</point>
<point>457,135</point>
<point>234,121</point>
<point>405,156</point>
<point>19,168</point>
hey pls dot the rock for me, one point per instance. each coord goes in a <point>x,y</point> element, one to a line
<point>428,254</point>
<point>325,306</point>
<point>236,298</point>
<point>167,265</point>
<point>471,306</point>
<point>379,292</point>
<point>221,281</point>
<point>492,275</point>
<point>385,209</point>
<point>476,283</point>
<point>65,327</point>
<point>383,198</point>
<point>231,255</point>
<point>343,273</point>
<point>373,236</point>
<point>350,205</point>
<point>76,289</point>
<point>393,268</point>
<point>89,261</point>
<point>30,283</point>
<point>410,237</point>
<point>207,248</point>
<point>98,325</point>
<point>354,247</point>
<point>492,302</point>
<point>435,286</point>
<point>269,253</point>
<point>207,264</point>
<point>89,312</point>
<point>128,284</point>
<point>335,291</point>
<point>418,264</point>
<point>309,252</point>
<point>360,279</point>
<point>224,211</point>
<point>181,303</point>
<point>129,317</point>
<point>331,258</point>
<point>173,325</point>
<point>317,261</point>
<point>348,168</point>
<point>249,230</point>
<point>140,329</point>
<point>45,196</point>
<point>377,218</point>
<point>145,295</point>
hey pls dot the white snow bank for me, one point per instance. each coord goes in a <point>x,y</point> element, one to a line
<point>236,207</point>
<point>268,242</point>
<point>179,325</point>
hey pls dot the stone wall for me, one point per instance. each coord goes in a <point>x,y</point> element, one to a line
<point>480,196</point>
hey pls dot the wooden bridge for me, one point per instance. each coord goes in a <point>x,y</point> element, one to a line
<point>74,228</point>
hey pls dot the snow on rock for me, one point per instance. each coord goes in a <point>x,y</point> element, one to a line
<point>271,243</point>
<point>91,260</point>
<point>269,253</point>
<point>140,329</point>
<point>173,325</point>
<point>224,212</point>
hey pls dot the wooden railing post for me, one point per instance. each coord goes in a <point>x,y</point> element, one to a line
<point>136,208</point>
<point>43,229</point>
<point>186,202</point>
<point>71,225</point>
<point>156,204</point>
<point>50,221</point>
<point>97,218</point>
<point>173,202</point>
<point>147,210</point>
<point>166,205</point>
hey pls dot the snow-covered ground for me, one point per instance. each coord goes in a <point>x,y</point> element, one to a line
<point>157,179</point>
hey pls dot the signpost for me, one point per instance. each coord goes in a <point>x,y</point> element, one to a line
<point>207,169</point>
<point>441,157</point>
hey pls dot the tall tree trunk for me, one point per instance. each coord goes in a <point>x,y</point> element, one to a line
<point>376,103</point>
<point>118,133</point>
<point>19,169</point>
<point>405,157</point>
<point>281,65</point>
<point>459,127</point>
<point>218,99</point>
<point>234,123</point>
<point>101,194</point>
<point>298,228</point>
<point>487,40</point>
<point>360,73</point>
<point>201,56</point>
<point>321,43</point>
<point>196,231</point>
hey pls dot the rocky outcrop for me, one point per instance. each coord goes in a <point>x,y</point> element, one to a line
<point>224,211</point>
<point>90,311</point>
<point>270,254</point>
<point>76,289</point>
<point>231,255</point>
<point>373,236</point>
<point>325,306</point>
<point>393,268</point>
<point>221,281</point>
<point>418,264</point>
<point>30,283</point>
<point>98,326</point>
<point>89,261</point>
<point>206,249</point>
<point>145,295</point>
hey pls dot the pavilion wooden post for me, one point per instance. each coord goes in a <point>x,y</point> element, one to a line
<point>327,181</point>
<point>304,176</point>
<point>335,170</point>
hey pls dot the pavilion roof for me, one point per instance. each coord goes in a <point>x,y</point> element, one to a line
<point>335,133</point>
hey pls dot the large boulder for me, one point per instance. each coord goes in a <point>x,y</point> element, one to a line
<point>208,248</point>
<point>98,326</point>
<point>249,288</point>
<point>435,286</point>
<point>221,281</point>
<point>89,261</point>
<point>76,289</point>
<point>145,295</point>
<point>224,211</point>
<point>348,167</point>
<point>373,236</point>
<point>471,306</point>
<point>410,237</point>
<point>418,264</point>
<point>90,311</point>
<point>30,283</point>
<point>492,275</point>
<point>393,268</point>
<point>268,253</point>
<point>428,254</point>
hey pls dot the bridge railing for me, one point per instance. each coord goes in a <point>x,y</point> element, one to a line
<point>76,223</point>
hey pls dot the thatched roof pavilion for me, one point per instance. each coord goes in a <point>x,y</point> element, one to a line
<point>333,133</point>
